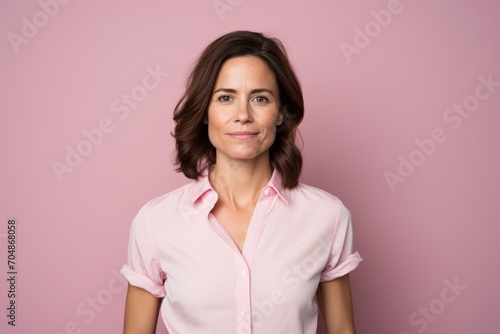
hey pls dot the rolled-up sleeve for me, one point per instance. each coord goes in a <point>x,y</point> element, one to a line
<point>143,268</point>
<point>342,259</point>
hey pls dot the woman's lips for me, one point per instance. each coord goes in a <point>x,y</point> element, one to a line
<point>242,134</point>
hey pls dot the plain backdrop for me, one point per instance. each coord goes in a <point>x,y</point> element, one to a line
<point>400,123</point>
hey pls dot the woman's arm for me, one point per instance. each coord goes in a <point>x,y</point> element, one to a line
<point>334,299</point>
<point>141,311</point>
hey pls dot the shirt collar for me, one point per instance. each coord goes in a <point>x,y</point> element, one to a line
<point>276,183</point>
<point>202,186</point>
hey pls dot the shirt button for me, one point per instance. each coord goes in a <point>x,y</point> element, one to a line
<point>244,272</point>
<point>243,311</point>
<point>266,191</point>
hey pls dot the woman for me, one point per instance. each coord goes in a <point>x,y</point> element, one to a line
<point>245,248</point>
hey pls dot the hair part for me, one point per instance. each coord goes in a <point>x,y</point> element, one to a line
<point>194,152</point>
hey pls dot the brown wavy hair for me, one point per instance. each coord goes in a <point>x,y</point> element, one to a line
<point>194,152</point>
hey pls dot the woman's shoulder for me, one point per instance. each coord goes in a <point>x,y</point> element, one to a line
<point>303,189</point>
<point>171,195</point>
<point>183,195</point>
<point>314,196</point>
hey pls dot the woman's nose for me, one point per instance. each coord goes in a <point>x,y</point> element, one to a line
<point>244,114</point>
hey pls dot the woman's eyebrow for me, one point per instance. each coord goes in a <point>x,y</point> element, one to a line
<point>253,91</point>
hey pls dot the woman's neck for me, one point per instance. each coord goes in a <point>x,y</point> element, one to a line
<point>239,182</point>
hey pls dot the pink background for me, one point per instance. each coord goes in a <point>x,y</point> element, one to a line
<point>363,111</point>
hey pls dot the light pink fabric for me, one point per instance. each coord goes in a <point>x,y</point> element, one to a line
<point>296,239</point>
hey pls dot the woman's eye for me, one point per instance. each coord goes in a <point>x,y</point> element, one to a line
<point>261,99</point>
<point>224,98</point>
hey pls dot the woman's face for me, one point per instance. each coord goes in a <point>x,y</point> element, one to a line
<point>244,109</point>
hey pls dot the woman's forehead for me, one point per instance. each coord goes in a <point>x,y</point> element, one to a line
<point>245,71</point>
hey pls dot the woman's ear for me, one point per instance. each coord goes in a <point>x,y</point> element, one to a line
<point>279,121</point>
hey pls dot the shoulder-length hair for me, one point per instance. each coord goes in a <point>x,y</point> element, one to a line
<point>194,152</point>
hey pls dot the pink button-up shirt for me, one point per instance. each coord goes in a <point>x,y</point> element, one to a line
<point>296,239</point>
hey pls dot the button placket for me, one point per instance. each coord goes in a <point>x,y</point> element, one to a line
<point>244,263</point>
<point>243,302</point>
